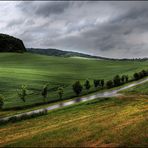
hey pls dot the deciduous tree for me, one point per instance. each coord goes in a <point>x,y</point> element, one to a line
<point>45,92</point>
<point>77,88</point>
<point>87,85</point>
<point>1,102</point>
<point>22,93</point>
<point>60,92</point>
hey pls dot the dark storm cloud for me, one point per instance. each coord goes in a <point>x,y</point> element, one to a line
<point>114,29</point>
<point>54,8</point>
<point>115,33</point>
<point>44,9</point>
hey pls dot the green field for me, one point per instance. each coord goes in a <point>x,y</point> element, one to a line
<point>142,89</point>
<point>37,70</point>
<point>105,122</point>
<point>108,122</point>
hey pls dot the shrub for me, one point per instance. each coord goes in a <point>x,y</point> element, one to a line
<point>109,84</point>
<point>60,92</point>
<point>102,82</point>
<point>136,76</point>
<point>1,102</point>
<point>24,116</point>
<point>45,92</point>
<point>77,87</point>
<point>87,85</point>
<point>145,73</point>
<point>2,122</point>
<point>22,93</point>
<point>13,119</point>
<point>96,83</point>
<point>117,80</point>
<point>126,78</point>
<point>123,79</point>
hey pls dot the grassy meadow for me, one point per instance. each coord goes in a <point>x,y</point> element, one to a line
<point>37,70</point>
<point>139,89</point>
<point>109,122</point>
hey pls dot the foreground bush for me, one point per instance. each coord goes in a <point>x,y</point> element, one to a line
<point>77,88</point>
<point>24,117</point>
<point>140,74</point>
<point>1,102</point>
<point>45,92</point>
<point>109,84</point>
<point>22,93</point>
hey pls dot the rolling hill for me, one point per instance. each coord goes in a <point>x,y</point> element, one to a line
<point>36,70</point>
<point>61,53</point>
<point>11,44</point>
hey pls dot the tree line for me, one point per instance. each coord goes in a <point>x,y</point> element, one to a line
<point>78,87</point>
<point>116,81</point>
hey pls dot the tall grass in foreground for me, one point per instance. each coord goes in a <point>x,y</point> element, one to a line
<point>106,122</point>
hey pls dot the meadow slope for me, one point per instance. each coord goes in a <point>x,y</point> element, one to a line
<point>106,122</point>
<point>37,70</point>
<point>141,89</point>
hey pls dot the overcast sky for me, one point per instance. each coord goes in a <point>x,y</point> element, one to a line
<point>111,29</point>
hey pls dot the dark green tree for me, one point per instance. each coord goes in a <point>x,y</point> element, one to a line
<point>77,88</point>
<point>87,85</point>
<point>136,76</point>
<point>22,93</point>
<point>1,102</point>
<point>117,80</point>
<point>44,92</point>
<point>126,78</point>
<point>109,84</point>
<point>96,83</point>
<point>145,73</point>
<point>123,79</point>
<point>141,74</point>
<point>102,83</point>
<point>60,92</point>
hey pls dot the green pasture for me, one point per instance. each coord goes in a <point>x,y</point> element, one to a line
<point>37,70</point>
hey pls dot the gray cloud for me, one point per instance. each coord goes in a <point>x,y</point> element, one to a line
<point>53,8</point>
<point>44,9</point>
<point>15,22</point>
<point>112,29</point>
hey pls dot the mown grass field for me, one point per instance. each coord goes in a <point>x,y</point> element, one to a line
<point>139,89</point>
<point>106,122</point>
<point>37,70</point>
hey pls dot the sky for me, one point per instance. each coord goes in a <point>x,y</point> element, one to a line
<point>115,29</point>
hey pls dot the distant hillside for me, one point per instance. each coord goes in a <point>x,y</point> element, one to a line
<point>56,52</point>
<point>11,44</point>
